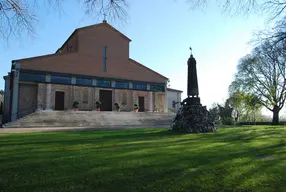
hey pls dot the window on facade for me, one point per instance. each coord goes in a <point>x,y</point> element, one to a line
<point>103,83</point>
<point>61,79</point>
<point>32,77</point>
<point>120,84</point>
<point>139,86</point>
<point>157,88</point>
<point>83,81</point>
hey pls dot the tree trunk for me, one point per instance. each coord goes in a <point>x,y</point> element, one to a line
<point>275,119</point>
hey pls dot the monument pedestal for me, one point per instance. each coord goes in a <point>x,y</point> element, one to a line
<point>193,118</point>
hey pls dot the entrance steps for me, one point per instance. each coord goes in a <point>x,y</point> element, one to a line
<point>92,119</point>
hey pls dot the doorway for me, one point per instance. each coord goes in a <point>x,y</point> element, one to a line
<point>141,104</point>
<point>105,97</point>
<point>60,100</point>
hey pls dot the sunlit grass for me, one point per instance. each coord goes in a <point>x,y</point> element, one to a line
<point>232,159</point>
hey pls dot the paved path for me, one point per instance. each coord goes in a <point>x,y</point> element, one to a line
<point>60,129</point>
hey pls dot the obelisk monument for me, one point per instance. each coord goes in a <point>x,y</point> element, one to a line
<point>192,116</point>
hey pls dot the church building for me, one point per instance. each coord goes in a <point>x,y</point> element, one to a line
<point>92,65</point>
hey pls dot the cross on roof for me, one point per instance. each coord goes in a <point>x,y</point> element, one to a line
<point>104,16</point>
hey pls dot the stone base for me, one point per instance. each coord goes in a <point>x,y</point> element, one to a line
<point>193,119</point>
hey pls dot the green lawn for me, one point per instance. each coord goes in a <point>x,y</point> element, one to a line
<point>232,159</point>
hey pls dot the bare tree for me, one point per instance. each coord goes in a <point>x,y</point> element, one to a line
<point>263,73</point>
<point>275,8</point>
<point>18,17</point>
<point>276,34</point>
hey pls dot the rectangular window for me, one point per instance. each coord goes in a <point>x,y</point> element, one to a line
<point>121,84</point>
<point>83,81</point>
<point>139,86</point>
<point>61,79</point>
<point>103,83</point>
<point>104,59</point>
<point>160,88</point>
<point>32,77</point>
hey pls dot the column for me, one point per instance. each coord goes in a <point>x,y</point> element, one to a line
<point>41,96</point>
<point>113,84</point>
<point>150,100</point>
<point>166,102</point>
<point>6,99</point>
<point>15,91</point>
<point>48,96</point>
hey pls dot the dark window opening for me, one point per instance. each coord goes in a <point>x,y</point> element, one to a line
<point>82,81</point>
<point>60,79</point>
<point>140,86</point>
<point>124,85</point>
<point>157,88</point>
<point>103,83</point>
<point>32,77</point>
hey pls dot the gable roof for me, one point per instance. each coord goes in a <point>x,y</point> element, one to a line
<point>104,23</point>
<point>79,64</point>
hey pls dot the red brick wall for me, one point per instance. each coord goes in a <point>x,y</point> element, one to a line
<point>89,58</point>
<point>70,45</point>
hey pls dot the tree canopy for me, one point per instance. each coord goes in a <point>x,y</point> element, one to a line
<point>263,74</point>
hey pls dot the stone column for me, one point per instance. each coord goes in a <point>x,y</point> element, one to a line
<point>48,96</point>
<point>41,96</point>
<point>15,91</point>
<point>7,99</point>
<point>150,100</point>
<point>166,102</point>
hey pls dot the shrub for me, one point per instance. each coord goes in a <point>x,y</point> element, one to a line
<point>260,123</point>
<point>136,106</point>
<point>227,121</point>
<point>75,104</point>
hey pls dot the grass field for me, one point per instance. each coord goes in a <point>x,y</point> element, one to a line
<point>232,159</point>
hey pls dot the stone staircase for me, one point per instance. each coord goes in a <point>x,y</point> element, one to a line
<point>92,119</point>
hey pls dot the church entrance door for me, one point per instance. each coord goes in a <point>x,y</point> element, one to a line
<point>60,100</point>
<point>105,97</point>
<point>141,104</point>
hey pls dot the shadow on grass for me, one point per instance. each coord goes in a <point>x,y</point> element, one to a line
<point>232,159</point>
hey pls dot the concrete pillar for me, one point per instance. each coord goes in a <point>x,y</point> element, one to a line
<point>73,80</point>
<point>6,114</point>
<point>48,78</point>
<point>113,84</point>
<point>41,96</point>
<point>130,85</point>
<point>94,82</point>
<point>48,96</point>
<point>148,87</point>
<point>166,102</point>
<point>150,100</point>
<point>15,88</point>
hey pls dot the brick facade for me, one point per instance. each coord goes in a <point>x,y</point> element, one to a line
<point>86,96</point>
<point>85,55</point>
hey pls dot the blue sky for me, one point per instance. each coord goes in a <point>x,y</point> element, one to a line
<point>162,32</point>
